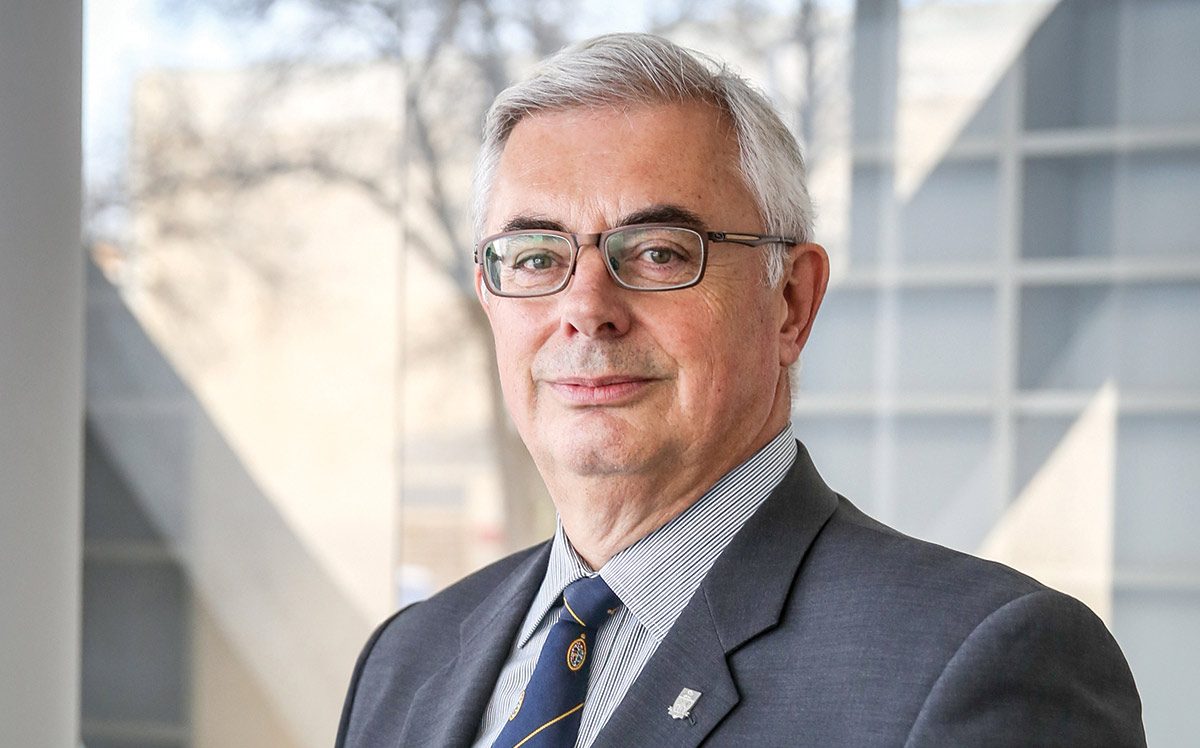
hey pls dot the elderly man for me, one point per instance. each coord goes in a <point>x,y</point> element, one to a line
<point>649,280</point>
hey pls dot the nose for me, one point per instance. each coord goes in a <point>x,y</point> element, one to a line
<point>593,304</point>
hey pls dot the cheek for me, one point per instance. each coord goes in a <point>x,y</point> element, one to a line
<point>516,323</point>
<point>749,360</point>
<point>516,343</point>
<point>724,363</point>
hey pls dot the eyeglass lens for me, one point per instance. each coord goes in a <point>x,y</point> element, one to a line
<point>652,258</point>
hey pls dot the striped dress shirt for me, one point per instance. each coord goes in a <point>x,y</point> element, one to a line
<point>655,578</point>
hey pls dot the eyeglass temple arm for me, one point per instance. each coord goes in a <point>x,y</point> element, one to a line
<point>750,240</point>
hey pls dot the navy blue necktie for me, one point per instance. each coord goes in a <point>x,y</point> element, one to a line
<point>549,709</point>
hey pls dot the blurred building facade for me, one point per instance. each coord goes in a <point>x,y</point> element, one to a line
<point>293,426</point>
<point>1011,344</point>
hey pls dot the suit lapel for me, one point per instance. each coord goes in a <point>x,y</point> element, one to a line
<point>690,657</point>
<point>447,710</point>
<point>724,614</point>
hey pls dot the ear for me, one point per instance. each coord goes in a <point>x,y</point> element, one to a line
<point>805,277</point>
<point>481,292</point>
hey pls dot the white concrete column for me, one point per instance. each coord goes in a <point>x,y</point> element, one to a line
<point>41,372</point>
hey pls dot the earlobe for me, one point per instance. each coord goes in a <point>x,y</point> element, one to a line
<point>805,280</point>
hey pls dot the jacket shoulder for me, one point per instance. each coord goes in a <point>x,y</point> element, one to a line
<point>960,649</point>
<point>412,644</point>
<point>1040,670</point>
<point>456,601</point>
<point>879,560</point>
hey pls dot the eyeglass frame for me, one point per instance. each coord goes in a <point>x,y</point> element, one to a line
<point>579,241</point>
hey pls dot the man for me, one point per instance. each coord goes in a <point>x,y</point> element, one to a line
<point>649,280</point>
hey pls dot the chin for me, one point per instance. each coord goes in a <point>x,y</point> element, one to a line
<point>593,454</point>
<point>599,442</point>
<point>600,463</point>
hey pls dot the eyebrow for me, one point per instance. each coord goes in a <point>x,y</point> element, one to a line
<point>528,223</point>
<point>664,213</point>
<point>660,213</point>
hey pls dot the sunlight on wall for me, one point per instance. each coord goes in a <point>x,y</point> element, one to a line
<point>949,54</point>
<point>1060,528</point>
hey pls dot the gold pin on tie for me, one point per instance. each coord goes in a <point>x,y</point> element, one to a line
<point>577,653</point>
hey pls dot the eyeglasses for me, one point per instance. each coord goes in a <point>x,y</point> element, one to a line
<point>643,257</point>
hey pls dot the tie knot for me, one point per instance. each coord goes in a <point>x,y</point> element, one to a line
<point>588,602</point>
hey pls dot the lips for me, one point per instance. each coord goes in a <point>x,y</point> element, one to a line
<point>605,390</point>
<point>611,373</point>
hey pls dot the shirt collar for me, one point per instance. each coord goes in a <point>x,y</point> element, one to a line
<point>657,576</point>
<point>565,566</point>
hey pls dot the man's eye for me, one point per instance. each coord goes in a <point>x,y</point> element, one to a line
<point>660,255</point>
<point>535,262</point>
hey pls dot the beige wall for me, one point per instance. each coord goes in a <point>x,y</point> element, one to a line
<point>229,705</point>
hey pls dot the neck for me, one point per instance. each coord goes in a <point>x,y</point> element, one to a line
<point>604,515</point>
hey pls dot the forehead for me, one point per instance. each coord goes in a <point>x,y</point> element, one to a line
<point>587,167</point>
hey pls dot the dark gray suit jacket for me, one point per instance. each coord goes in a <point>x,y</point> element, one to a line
<point>817,626</point>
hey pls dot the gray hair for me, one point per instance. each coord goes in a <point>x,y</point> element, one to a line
<point>646,69</point>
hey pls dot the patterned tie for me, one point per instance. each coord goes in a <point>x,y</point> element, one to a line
<point>549,709</point>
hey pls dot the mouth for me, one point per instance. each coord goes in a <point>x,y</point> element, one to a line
<point>590,391</point>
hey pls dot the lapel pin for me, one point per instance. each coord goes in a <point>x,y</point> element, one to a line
<point>682,708</point>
